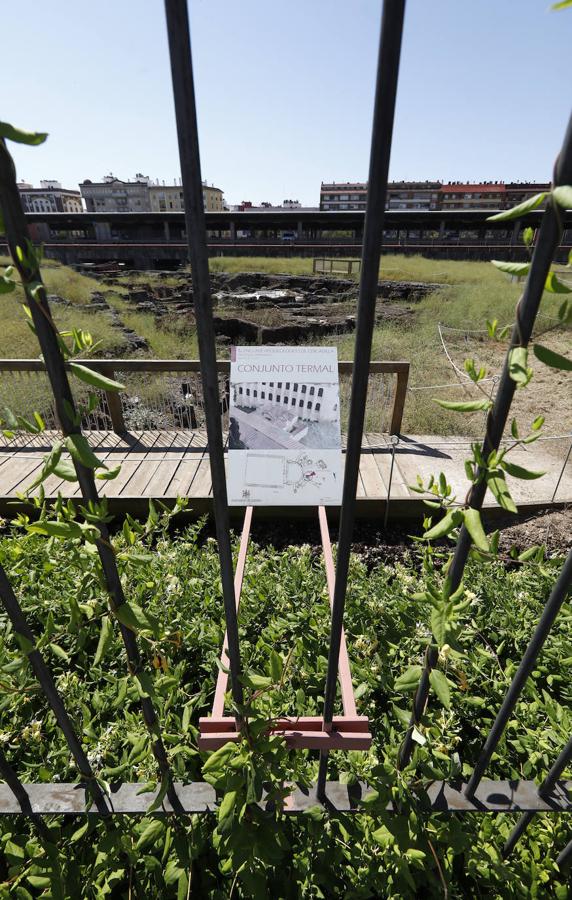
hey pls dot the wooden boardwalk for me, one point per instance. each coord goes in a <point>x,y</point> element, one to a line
<point>167,464</point>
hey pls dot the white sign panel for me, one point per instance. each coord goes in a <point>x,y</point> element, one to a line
<point>284,434</point>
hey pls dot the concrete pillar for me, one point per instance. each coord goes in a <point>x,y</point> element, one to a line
<point>167,231</point>
<point>300,231</point>
<point>441,229</point>
<point>515,233</point>
<point>232,231</point>
<point>102,231</point>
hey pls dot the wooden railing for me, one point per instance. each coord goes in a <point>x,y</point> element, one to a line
<point>118,368</point>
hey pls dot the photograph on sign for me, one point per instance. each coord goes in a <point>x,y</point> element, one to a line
<point>284,433</point>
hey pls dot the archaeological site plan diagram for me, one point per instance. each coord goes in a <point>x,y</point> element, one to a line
<point>284,431</point>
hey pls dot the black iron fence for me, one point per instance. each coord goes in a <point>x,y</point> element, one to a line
<point>478,794</point>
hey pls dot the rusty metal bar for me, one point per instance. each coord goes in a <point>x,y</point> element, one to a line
<point>187,131</point>
<point>344,671</point>
<point>222,678</point>
<point>543,789</point>
<point>382,130</point>
<point>46,331</point>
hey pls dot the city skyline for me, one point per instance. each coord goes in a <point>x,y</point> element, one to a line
<point>285,95</point>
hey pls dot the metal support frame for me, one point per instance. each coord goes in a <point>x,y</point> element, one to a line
<point>347,732</point>
<point>382,130</point>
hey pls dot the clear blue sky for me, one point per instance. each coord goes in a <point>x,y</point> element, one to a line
<point>285,91</point>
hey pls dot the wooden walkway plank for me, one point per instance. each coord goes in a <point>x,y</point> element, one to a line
<point>381,454</point>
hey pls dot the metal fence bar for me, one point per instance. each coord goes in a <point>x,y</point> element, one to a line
<point>185,111</point>
<point>557,597</point>
<point>545,788</point>
<point>382,129</point>
<point>547,244</point>
<point>44,676</point>
<point>19,242</point>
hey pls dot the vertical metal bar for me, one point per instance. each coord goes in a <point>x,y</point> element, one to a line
<point>549,238</point>
<point>187,131</point>
<point>419,705</point>
<point>19,243</point>
<point>557,597</point>
<point>44,676</point>
<point>382,130</point>
<point>547,785</point>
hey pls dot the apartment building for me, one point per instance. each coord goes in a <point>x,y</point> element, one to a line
<point>49,197</point>
<point>431,195</point>
<point>167,197</point>
<point>114,195</point>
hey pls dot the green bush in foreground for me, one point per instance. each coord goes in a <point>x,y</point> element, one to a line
<point>284,621</point>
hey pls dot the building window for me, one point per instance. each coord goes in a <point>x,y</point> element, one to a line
<point>255,393</point>
<point>262,397</point>
<point>303,388</point>
<point>271,384</point>
<point>240,390</point>
<point>270,396</point>
<point>312,391</point>
<point>293,401</point>
<point>285,400</point>
<point>309,404</point>
<point>320,393</point>
<point>287,385</point>
<point>279,384</point>
<point>301,403</point>
<point>277,398</point>
<point>295,388</point>
<point>248,392</point>
<point>317,407</point>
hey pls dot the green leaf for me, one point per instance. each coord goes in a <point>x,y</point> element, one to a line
<point>498,487</point>
<point>59,651</point>
<point>520,210</point>
<point>474,526</point>
<point>161,794</point>
<point>10,133</point>
<point>133,617</point>
<point>79,448</point>
<point>440,685</point>
<point>520,472</point>
<point>109,475</point>
<point>550,358</point>
<point>518,368</point>
<point>276,666</point>
<point>255,681</point>
<point>65,469</point>
<point>512,268</point>
<point>105,637</point>
<point>449,521</point>
<point>409,680</point>
<point>528,236</point>
<point>218,760</point>
<point>95,379</point>
<point>563,195</point>
<point>555,286</point>
<point>441,615</point>
<point>464,406</point>
<point>562,4</point>
<point>151,834</point>
<point>55,529</point>
<point>226,808</point>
